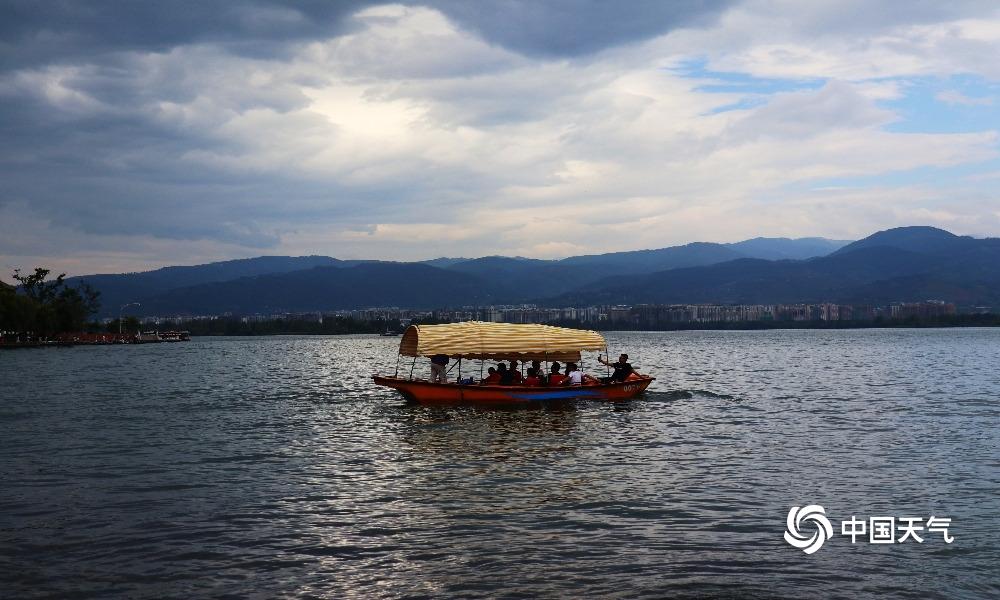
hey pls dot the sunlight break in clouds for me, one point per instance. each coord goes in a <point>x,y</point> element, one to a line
<point>407,133</point>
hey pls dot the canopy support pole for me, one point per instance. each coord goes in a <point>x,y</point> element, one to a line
<point>411,367</point>
<point>607,360</point>
<point>544,377</point>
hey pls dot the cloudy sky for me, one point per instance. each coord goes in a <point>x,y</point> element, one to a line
<point>141,134</point>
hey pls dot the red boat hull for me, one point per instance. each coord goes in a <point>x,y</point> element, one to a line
<point>426,392</point>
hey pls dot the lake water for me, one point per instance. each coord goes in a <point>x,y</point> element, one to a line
<point>271,467</point>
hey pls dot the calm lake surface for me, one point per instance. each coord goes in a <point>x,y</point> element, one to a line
<point>271,467</point>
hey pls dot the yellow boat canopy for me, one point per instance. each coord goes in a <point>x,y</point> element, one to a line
<point>481,340</point>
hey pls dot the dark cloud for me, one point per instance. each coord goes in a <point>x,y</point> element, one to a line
<point>33,33</point>
<point>89,143</point>
<point>576,27</point>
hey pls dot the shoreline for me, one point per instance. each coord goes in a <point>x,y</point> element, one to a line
<point>624,330</point>
<point>271,329</point>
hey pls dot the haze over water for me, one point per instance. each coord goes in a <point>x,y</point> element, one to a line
<point>269,467</point>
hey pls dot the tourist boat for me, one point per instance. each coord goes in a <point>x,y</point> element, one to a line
<point>155,337</point>
<point>474,340</point>
<point>176,336</point>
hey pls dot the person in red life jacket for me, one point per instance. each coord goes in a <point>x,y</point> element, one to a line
<point>493,378</point>
<point>532,379</point>
<point>555,377</point>
<point>573,375</point>
<point>537,366</point>
<point>515,373</point>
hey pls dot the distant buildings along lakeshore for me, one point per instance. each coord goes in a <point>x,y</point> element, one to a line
<point>609,316</point>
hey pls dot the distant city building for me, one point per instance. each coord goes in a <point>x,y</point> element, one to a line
<point>626,316</point>
<point>932,308</point>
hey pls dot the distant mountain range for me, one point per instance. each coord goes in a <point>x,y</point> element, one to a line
<point>131,287</point>
<point>904,264</point>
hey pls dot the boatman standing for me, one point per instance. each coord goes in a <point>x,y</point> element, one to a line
<point>622,368</point>
<point>439,371</point>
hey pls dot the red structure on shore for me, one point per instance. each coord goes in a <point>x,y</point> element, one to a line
<point>83,338</point>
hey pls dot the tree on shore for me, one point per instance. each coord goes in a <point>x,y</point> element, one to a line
<point>43,306</point>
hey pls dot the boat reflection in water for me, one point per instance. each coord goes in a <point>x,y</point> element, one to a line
<point>503,341</point>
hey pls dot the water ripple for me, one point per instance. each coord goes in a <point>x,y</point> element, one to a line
<point>271,467</point>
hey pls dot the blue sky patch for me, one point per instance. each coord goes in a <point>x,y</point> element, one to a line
<point>959,104</point>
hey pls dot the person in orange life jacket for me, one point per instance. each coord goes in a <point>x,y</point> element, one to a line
<point>515,373</point>
<point>573,375</point>
<point>537,366</point>
<point>555,377</point>
<point>439,372</point>
<point>493,378</point>
<point>532,379</point>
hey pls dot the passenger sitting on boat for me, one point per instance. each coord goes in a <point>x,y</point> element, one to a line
<point>555,377</point>
<point>539,372</point>
<point>622,368</point>
<point>532,379</point>
<point>515,373</point>
<point>493,378</point>
<point>506,378</point>
<point>573,375</point>
<point>439,363</point>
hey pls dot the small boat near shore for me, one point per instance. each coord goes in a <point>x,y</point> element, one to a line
<point>474,340</point>
<point>156,337</point>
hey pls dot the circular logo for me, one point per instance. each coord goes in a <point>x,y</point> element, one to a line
<point>796,517</point>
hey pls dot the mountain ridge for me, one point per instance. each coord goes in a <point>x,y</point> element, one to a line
<point>896,264</point>
<point>551,276</point>
<point>889,266</point>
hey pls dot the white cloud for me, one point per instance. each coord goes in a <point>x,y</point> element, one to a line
<point>818,40</point>
<point>956,97</point>
<point>409,137</point>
